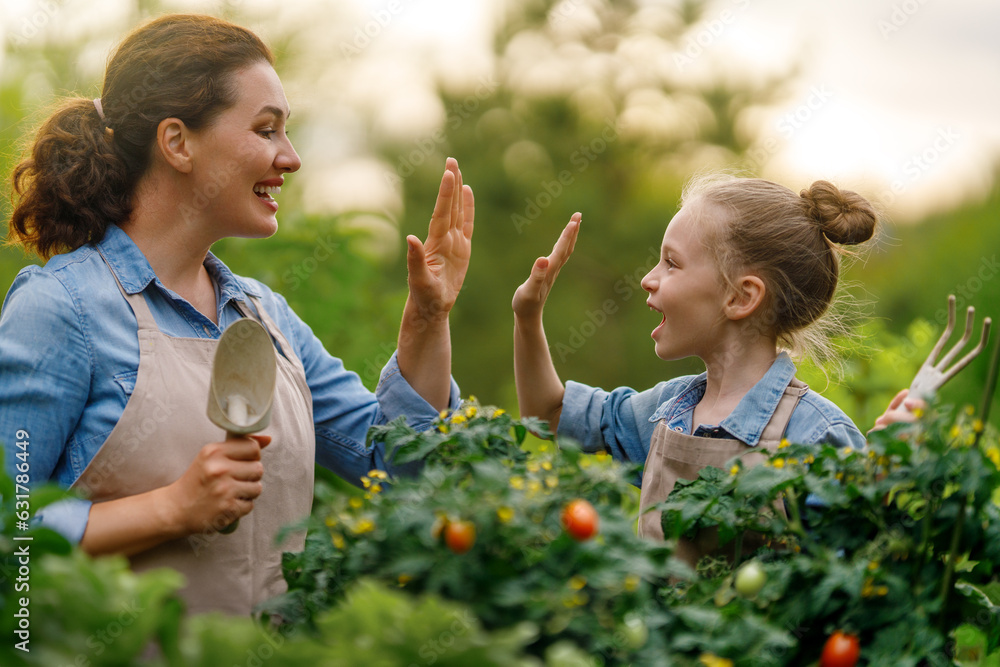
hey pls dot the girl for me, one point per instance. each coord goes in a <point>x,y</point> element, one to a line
<point>106,351</point>
<point>747,267</point>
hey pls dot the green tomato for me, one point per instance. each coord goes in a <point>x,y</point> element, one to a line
<point>635,632</point>
<point>750,579</point>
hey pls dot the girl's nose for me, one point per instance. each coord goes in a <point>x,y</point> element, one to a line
<point>648,282</point>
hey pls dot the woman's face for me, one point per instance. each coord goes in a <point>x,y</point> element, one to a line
<point>686,287</point>
<point>242,158</point>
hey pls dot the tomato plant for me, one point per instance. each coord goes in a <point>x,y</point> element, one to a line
<point>460,536</point>
<point>580,519</point>
<point>840,650</point>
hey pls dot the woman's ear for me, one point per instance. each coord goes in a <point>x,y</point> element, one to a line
<point>745,297</point>
<point>173,143</point>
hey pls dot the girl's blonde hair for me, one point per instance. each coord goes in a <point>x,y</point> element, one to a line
<point>790,241</point>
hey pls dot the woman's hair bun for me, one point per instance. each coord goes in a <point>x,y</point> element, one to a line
<point>844,216</point>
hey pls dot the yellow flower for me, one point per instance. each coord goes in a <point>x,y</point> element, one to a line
<point>443,428</point>
<point>585,462</point>
<point>631,582</point>
<point>533,466</point>
<point>601,455</point>
<point>366,482</point>
<point>993,454</point>
<point>546,465</point>
<point>404,579</point>
<point>473,399</point>
<point>808,460</point>
<point>784,443</point>
<point>517,482</point>
<point>872,566</point>
<point>458,419</point>
<point>364,526</point>
<point>778,463</point>
<point>918,413</point>
<point>969,410</point>
<point>954,432</point>
<point>840,476</point>
<point>793,462</point>
<point>977,425</point>
<point>499,412</point>
<point>338,540</point>
<point>355,502</point>
<point>471,411</point>
<point>443,414</point>
<point>544,447</point>
<point>735,469</point>
<point>712,660</point>
<point>534,486</point>
<point>577,582</point>
<point>331,521</point>
<point>882,591</point>
<point>552,481</point>
<point>376,488</point>
<point>378,474</point>
<point>505,514</point>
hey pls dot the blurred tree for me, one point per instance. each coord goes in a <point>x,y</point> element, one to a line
<point>592,106</point>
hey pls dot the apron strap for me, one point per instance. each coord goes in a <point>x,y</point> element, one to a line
<point>143,315</point>
<point>775,428</point>
<point>275,331</point>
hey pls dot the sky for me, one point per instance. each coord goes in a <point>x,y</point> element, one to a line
<point>894,98</point>
<point>898,99</point>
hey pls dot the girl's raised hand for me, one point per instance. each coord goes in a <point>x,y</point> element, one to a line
<point>437,266</point>
<point>531,295</point>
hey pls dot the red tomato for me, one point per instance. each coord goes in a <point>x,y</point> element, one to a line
<point>580,519</point>
<point>460,536</point>
<point>840,650</point>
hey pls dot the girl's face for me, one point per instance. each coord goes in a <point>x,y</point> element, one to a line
<point>686,287</point>
<point>242,157</point>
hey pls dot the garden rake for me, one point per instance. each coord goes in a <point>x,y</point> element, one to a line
<point>931,375</point>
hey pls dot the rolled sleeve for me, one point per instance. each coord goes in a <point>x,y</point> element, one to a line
<point>67,517</point>
<point>580,418</point>
<point>616,421</point>
<point>397,398</point>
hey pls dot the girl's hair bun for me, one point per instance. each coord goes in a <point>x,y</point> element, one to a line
<point>844,216</point>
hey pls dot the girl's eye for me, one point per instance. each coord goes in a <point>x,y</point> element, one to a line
<point>266,133</point>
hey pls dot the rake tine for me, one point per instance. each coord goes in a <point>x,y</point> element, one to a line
<point>971,355</point>
<point>970,319</point>
<point>944,336</point>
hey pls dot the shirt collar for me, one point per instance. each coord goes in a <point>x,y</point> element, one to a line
<point>135,274</point>
<point>747,421</point>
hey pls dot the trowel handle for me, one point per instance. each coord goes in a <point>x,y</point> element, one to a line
<point>235,524</point>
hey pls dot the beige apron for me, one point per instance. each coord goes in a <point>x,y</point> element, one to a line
<point>165,425</point>
<point>673,456</point>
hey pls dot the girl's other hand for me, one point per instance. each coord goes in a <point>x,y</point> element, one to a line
<point>901,409</point>
<point>531,295</point>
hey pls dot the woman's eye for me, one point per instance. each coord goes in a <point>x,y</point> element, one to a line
<point>266,133</point>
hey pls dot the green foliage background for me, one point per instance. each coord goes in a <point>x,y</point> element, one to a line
<point>533,160</point>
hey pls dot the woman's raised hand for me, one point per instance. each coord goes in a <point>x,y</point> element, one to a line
<point>531,295</point>
<point>437,267</point>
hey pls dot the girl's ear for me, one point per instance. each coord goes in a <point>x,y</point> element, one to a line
<point>744,299</point>
<point>173,143</point>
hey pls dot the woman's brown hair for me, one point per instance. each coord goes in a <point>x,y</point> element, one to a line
<point>82,170</point>
<point>792,242</point>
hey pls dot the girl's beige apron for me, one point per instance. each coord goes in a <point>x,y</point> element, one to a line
<point>163,427</point>
<point>673,456</point>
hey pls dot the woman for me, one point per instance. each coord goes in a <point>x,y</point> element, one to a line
<point>106,351</point>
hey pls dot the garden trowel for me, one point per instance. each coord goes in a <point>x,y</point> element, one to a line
<point>242,386</point>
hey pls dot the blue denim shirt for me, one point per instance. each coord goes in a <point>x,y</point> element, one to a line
<point>69,353</point>
<point>621,422</point>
